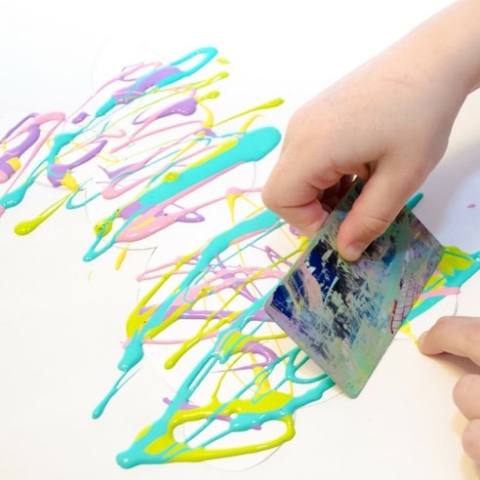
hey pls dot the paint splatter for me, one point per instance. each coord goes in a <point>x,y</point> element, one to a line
<point>154,165</point>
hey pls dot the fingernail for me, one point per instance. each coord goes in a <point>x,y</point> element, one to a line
<point>421,339</point>
<point>353,251</point>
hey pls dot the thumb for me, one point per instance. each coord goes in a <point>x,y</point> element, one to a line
<point>380,201</point>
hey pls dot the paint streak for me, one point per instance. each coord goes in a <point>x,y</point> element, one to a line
<point>150,160</point>
<point>455,268</point>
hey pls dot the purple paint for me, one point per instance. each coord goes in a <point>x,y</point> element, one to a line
<point>119,171</point>
<point>130,210</point>
<point>191,217</point>
<point>57,171</point>
<point>80,117</point>
<point>32,137</point>
<point>19,124</point>
<point>126,95</point>
<point>259,316</point>
<point>208,132</point>
<point>185,107</point>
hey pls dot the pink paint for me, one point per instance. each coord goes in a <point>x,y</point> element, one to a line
<point>139,228</point>
<point>441,292</point>
<point>131,234</point>
<point>113,190</point>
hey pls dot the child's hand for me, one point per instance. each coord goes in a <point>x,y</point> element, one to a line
<point>460,336</point>
<point>388,122</point>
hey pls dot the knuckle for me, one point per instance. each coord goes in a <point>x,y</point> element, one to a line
<point>303,129</point>
<point>269,198</point>
<point>443,320</point>
<point>294,130</point>
<point>373,226</point>
<point>442,327</point>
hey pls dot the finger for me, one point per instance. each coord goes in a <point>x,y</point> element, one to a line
<point>466,396</point>
<point>300,208</point>
<point>380,201</point>
<point>291,193</point>
<point>457,335</point>
<point>332,196</point>
<point>471,440</point>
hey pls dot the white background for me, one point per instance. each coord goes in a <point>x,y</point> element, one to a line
<point>60,334</point>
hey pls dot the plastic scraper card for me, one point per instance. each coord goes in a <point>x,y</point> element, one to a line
<point>344,315</point>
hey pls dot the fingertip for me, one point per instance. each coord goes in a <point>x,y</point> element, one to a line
<point>307,219</point>
<point>471,440</point>
<point>429,343</point>
<point>349,246</point>
<point>421,343</point>
<point>269,196</point>
<point>425,345</point>
<point>352,252</point>
<point>357,232</point>
<point>371,214</point>
<point>310,229</point>
<point>465,393</point>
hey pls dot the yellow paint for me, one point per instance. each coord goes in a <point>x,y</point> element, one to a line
<point>171,177</point>
<point>204,331</point>
<point>246,125</point>
<point>264,106</point>
<point>262,398</point>
<point>209,118</point>
<point>233,343</point>
<point>223,60</point>
<point>185,149</point>
<point>143,432</point>
<point>28,226</point>
<point>104,226</point>
<point>69,182</point>
<point>210,81</point>
<point>195,339</point>
<point>209,96</point>
<point>121,257</point>
<point>261,379</point>
<point>231,199</point>
<point>14,163</point>
<point>454,259</point>
<point>223,147</point>
<point>183,452</point>
<point>145,223</point>
<point>407,330</point>
<point>136,320</point>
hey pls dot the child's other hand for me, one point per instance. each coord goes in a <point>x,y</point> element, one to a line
<point>460,336</point>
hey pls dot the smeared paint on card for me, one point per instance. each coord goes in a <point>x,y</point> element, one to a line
<point>344,315</point>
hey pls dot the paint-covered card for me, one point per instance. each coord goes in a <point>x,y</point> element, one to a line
<point>345,314</point>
